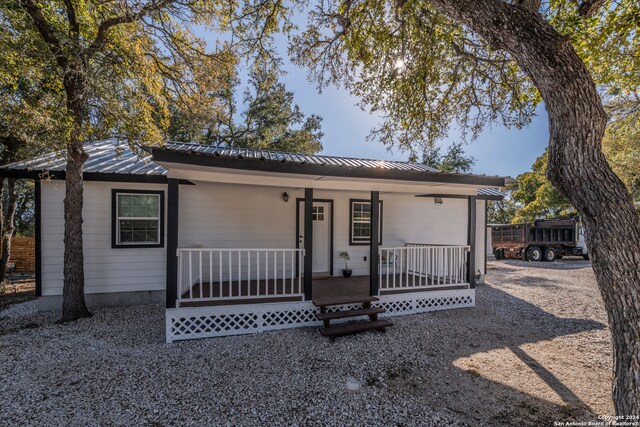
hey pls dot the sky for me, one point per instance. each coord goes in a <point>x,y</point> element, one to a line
<point>498,150</point>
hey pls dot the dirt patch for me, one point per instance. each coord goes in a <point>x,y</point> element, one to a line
<point>534,350</point>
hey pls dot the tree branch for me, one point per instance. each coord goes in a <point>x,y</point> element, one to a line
<point>587,8</point>
<point>45,30</point>
<point>126,18</point>
<point>74,26</point>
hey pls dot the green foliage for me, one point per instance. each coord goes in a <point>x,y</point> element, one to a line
<point>536,196</point>
<point>419,70</point>
<point>346,257</point>
<point>24,221</point>
<point>271,120</point>
<point>607,40</point>
<point>124,63</point>
<point>454,160</point>
<point>621,143</point>
<point>501,211</point>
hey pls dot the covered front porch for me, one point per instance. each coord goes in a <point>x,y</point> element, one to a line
<point>251,243</point>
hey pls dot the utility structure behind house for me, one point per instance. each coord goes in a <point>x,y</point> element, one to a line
<point>546,240</point>
<point>237,241</point>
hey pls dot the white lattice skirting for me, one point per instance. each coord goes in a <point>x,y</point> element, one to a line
<point>205,322</point>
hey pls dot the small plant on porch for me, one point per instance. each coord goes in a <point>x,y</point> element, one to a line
<point>346,271</point>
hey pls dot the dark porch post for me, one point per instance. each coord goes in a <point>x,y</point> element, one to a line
<point>308,243</point>
<point>373,254</point>
<point>38,234</point>
<point>173,192</point>
<point>471,241</point>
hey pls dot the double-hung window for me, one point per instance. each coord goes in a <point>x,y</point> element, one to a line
<point>138,218</point>
<point>360,217</point>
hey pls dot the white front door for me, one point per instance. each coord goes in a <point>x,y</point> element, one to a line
<point>321,235</point>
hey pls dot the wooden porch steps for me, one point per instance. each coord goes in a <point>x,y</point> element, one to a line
<point>333,331</point>
<point>329,301</point>
<point>350,313</point>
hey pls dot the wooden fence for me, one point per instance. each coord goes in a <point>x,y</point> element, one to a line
<point>23,254</point>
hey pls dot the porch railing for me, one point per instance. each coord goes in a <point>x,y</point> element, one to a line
<point>422,266</point>
<point>237,274</point>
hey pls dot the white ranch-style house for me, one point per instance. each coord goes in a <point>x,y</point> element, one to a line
<point>238,241</point>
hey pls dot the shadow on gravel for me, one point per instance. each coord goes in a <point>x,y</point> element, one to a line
<point>488,356</point>
<point>560,264</point>
<point>534,282</point>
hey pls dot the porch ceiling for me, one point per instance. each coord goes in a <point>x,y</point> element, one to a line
<point>321,182</point>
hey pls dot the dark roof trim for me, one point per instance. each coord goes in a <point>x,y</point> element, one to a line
<point>462,196</point>
<point>89,176</point>
<point>252,164</point>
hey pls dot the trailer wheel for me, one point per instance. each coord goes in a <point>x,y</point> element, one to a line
<point>549,254</point>
<point>534,254</point>
<point>499,253</point>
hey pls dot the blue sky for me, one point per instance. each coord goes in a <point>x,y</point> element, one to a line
<point>498,151</point>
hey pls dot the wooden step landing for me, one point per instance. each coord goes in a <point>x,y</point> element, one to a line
<point>352,328</point>
<point>329,301</point>
<point>349,313</point>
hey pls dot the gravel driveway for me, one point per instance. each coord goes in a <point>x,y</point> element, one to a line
<point>534,350</point>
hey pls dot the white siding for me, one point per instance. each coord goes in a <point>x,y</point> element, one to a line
<point>235,216</point>
<point>106,269</point>
<point>405,219</point>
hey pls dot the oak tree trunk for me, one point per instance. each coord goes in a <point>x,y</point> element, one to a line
<point>8,227</point>
<point>2,179</point>
<point>73,305</point>
<point>577,167</point>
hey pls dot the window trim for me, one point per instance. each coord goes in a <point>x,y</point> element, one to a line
<point>114,219</point>
<point>360,242</point>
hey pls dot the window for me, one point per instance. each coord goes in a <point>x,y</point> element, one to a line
<point>360,226</point>
<point>318,213</point>
<point>138,219</point>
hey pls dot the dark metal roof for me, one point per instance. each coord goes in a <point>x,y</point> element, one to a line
<point>245,153</point>
<point>112,159</point>
<point>109,156</point>
<point>277,162</point>
<point>490,192</point>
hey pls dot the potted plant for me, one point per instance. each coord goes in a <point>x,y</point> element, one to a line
<point>346,271</point>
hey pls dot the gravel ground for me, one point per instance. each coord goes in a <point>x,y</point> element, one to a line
<point>534,350</point>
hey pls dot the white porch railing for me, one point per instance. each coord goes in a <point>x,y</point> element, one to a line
<point>422,266</point>
<point>237,274</point>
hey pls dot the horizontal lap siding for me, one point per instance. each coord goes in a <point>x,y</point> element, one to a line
<point>106,269</point>
<point>405,219</point>
<point>236,216</point>
<point>233,216</point>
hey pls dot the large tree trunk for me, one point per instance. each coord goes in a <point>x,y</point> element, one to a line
<point>2,288</point>
<point>8,227</point>
<point>73,305</point>
<point>577,167</point>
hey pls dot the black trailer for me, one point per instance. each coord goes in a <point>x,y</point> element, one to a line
<point>546,240</point>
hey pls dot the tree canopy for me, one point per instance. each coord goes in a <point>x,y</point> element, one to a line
<point>270,120</point>
<point>454,160</point>
<point>536,197</point>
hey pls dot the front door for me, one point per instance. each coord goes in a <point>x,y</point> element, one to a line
<point>321,236</point>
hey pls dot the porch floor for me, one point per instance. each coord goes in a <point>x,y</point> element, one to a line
<point>331,286</point>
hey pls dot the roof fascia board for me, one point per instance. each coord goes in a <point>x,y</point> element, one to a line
<point>461,196</point>
<point>88,176</point>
